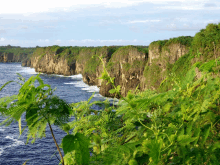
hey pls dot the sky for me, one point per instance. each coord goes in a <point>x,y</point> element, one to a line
<point>34,23</point>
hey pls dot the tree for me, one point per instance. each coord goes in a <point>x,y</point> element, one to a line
<point>39,106</point>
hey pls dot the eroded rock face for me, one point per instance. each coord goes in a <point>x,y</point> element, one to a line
<point>127,66</point>
<point>51,65</point>
<point>171,53</point>
<point>160,57</point>
<point>10,57</point>
<point>89,59</point>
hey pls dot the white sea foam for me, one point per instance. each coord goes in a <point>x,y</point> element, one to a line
<point>74,77</point>
<point>2,129</point>
<point>80,84</point>
<point>98,95</point>
<point>83,86</point>
<point>15,143</point>
<point>28,70</point>
<point>77,77</point>
<point>91,89</point>
<point>70,83</point>
<point>1,151</point>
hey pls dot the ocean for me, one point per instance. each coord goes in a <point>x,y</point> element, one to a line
<point>13,150</point>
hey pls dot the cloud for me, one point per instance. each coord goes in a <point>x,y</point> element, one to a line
<point>182,27</point>
<point>210,5</point>
<point>102,41</point>
<point>2,39</point>
<point>142,21</point>
<point>26,6</point>
<point>42,40</point>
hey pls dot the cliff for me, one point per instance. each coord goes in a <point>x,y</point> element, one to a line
<point>89,65</point>
<point>14,54</point>
<point>162,55</point>
<point>127,66</point>
<point>133,67</point>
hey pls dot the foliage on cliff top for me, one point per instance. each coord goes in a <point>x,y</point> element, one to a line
<point>16,50</point>
<point>123,53</point>
<point>93,63</point>
<point>204,51</point>
<point>207,41</point>
<point>183,40</point>
<point>125,50</point>
<point>158,44</point>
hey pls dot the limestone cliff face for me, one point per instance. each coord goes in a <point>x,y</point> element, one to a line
<point>84,56</point>
<point>160,58</point>
<point>26,62</point>
<point>10,57</point>
<point>51,64</point>
<point>88,64</point>
<point>132,67</point>
<point>127,66</point>
<point>171,53</point>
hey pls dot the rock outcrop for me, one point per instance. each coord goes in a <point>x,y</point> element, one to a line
<point>14,53</point>
<point>53,65</point>
<point>162,54</point>
<point>131,66</point>
<point>127,66</point>
<point>171,53</point>
<point>10,57</point>
<point>89,65</point>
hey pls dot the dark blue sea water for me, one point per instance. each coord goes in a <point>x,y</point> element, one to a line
<point>13,150</point>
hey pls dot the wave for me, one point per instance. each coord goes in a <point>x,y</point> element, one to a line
<point>77,82</point>
<point>84,86</point>
<point>15,143</point>
<point>28,70</point>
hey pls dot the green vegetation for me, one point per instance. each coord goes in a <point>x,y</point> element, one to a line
<point>153,75</point>
<point>180,126</point>
<point>207,42</point>
<point>18,52</point>
<point>183,40</point>
<point>203,48</point>
<point>175,121</point>
<point>123,55</point>
<point>159,44</point>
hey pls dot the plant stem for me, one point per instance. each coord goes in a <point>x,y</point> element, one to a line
<point>58,148</point>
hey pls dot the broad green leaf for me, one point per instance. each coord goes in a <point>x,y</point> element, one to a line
<point>69,143</point>
<point>79,144</point>
<point>112,91</point>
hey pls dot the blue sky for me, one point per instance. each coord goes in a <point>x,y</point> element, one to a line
<point>102,22</point>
